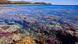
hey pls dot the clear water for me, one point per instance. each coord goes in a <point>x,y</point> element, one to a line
<point>65,12</point>
<point>40,22</point>
<point>56,10</point>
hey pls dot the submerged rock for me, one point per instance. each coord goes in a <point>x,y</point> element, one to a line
<point>26,40</point>
<point>38,29</point>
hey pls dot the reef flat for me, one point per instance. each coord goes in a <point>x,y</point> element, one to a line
<point>26,25</point>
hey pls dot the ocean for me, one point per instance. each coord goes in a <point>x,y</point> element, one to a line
<point>57,10</point>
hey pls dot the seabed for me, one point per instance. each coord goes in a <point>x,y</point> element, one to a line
<point>19,27</point>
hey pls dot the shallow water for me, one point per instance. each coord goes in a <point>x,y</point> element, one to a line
<point>36,10</point>
<point>24,21</point>
<point>59,10</point>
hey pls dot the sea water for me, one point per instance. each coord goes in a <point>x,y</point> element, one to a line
<point>41,24</point>
<point>11,11</point>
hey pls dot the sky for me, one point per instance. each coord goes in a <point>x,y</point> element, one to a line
<point>56,2</point>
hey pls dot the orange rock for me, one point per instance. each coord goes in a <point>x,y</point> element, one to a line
<point>27,40</point>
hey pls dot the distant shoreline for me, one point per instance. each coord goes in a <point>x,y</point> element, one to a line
<point>10,2</point>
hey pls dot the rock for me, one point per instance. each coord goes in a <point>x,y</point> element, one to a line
<point>16,37</point>
<point>27,40</point>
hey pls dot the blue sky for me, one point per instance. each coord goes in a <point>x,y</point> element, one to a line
<point>57,2</point>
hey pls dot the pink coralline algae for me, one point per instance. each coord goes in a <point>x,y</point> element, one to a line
<point>5,34</point>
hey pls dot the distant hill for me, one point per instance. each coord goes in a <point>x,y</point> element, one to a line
<point>41,3</point>
<point>20,2</point>
<point>3,1</point>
